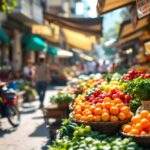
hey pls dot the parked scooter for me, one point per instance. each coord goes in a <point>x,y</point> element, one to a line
<point>8,106</point>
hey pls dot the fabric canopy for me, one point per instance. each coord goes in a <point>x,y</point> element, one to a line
<point>32,42</point>
<point>85,25</point>
<point>78,40</point>
<point>3,36</point>
<point>52,50</point>
<point>104,6</point>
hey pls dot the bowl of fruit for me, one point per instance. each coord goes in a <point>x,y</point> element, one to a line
<point>105,117</point>
<point>138,129</point>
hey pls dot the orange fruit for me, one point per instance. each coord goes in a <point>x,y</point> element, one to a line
<point>99,105</point>
<point>134,132</point>
<point>92,109</point>
<point>113,118</point>
<point>83,118</point>
<point>125,110</point>
<point>138,126</point>
<point>77,116</point>
<point>105,110</point>
<point>121,116</point>
<point>122,127</point>
<point>90,118</point>
<point>87,106</point>
<point>144,114</point>
<point>145,123</point>
<point>129,115</point>
<point>107,105</point>
<point>106,99</point>
<point>97,118</point>
<point>135,119</point>
<point>148,117</point>
<point>105,117</point>
<point>114,110</point>
<point>117,101</point>
<point>86,112</point>
<point>98,111</point>
<point>127,128</point>
<point>120,105</point>
<point>143,133</point>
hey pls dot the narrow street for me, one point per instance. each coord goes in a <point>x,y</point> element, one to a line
<point>32,133</point>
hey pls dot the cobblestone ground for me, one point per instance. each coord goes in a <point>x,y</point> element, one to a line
<point>32,133</point>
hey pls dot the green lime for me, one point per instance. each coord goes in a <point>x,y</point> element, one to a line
<point>75,133</point>
<point>87,128</point>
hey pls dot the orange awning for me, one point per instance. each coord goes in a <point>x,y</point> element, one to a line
<point>79,40</point>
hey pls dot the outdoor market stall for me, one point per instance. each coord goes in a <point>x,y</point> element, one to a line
<point>106,108</point>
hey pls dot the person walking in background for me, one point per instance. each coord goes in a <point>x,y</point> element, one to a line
<point>42,74</point>
<point>29,72</point>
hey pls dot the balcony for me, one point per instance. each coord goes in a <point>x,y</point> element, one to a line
<point>27,12</point>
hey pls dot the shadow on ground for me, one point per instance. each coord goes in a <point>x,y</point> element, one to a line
<point>39,132</point>
<point>6,131</point>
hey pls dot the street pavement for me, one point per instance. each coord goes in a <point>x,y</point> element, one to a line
<point>32,133</point>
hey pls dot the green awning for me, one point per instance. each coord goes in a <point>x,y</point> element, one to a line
<point>3,36</point>
<point>52,50</point>
<point>33,43</point>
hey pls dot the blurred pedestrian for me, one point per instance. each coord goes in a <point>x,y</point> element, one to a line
<point>29,72</point>
<point>104,67</point>
<point>42,73</point>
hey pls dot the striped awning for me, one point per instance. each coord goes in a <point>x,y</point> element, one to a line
<point>85,25</point>
<point>104,6</point>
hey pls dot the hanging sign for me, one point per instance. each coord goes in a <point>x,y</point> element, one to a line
<point>143,8</point>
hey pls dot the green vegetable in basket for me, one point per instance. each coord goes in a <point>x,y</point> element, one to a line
<point>61,98</point>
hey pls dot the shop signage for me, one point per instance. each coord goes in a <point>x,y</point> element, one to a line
<point>143,8</point>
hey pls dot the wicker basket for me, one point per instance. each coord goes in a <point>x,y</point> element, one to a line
<point>143,141</point>
<point>54,111</point>
<point>64,105</point>
<point>108,128</point>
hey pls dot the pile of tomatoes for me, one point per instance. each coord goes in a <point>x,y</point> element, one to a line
<point>139,125</point>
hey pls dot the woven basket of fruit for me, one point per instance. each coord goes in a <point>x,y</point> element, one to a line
<point>141,140</point>
<point>108,128</point>
<point>138,128</point>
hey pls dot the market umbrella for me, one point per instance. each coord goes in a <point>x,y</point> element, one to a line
<point>32,42</point>
<point>52,50</point>
<point>3,36</point>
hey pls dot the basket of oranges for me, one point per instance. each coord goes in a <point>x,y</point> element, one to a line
<point>138,128</point>
<point>105,117</point>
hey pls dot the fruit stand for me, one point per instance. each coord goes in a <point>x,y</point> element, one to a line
<point>108,114</point>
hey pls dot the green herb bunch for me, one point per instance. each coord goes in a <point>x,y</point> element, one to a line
<point>62,98</point>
